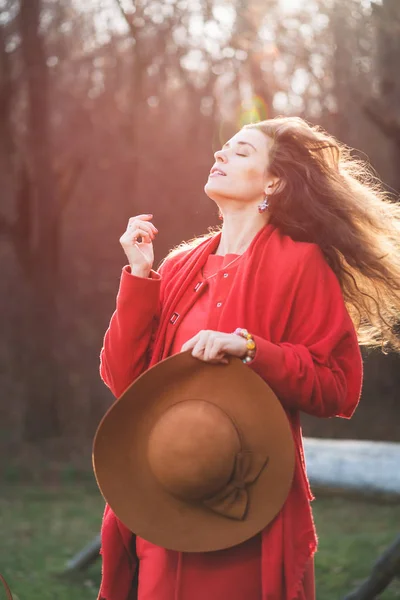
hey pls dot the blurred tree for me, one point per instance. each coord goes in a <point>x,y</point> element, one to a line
<point>39,255</point>
<point>40,192</point>
<point>383,107</point>
<point>119,105</point>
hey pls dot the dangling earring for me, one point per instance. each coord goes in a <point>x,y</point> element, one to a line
<point>264,205</point>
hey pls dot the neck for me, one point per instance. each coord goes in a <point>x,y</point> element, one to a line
<point>238,231</point>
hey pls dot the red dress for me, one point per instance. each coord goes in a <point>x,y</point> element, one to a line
<point>234,573</point>
<point>285,293</point>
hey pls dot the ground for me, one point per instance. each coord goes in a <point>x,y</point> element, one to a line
<point>42,526</point>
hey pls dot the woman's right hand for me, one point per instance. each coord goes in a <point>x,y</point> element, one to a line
<point>140,254</point>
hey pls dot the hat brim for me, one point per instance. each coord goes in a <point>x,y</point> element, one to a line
<point>135,495</point>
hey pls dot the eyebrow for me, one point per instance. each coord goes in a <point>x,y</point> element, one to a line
<point>241,144</point>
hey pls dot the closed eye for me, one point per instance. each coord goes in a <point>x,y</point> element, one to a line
<point>240,154</point>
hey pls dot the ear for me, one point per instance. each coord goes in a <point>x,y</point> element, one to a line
<point>272,185</point>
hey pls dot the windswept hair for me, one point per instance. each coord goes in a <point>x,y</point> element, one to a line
<point>329,197</point>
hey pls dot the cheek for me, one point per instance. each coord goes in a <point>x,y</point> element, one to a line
<point>252,176</point>
<point>254,173</point>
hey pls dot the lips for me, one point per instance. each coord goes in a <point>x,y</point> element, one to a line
<point>216,172</point>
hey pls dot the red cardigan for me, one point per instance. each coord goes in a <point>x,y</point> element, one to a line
<point>286,294</point>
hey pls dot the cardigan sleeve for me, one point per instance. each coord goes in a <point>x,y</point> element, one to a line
<point>123,356</point>
<point>318,368</point>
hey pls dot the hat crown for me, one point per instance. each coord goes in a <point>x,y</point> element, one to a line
<point>192,449</point>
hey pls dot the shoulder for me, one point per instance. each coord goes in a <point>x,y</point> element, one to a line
<point>172,259</point>
<point>291,264</point>
<point>179,255</point>
<point>309,268</point>
<point>298,254</point>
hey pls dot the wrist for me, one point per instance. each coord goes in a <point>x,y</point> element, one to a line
<point>140,271</point>
<point>250,345</point>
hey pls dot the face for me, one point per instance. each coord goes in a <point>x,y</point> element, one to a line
<point>240,168</point>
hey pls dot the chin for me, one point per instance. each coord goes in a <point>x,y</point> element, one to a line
<point>213,190</point>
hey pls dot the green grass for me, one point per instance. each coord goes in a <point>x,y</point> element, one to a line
<point>352,535</point>
<point>42,527</point>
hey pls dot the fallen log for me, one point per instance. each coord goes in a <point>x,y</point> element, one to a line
<point>386,568</point>
<point>360,468</point>
<point>347,467</point>
<point>84,558</point>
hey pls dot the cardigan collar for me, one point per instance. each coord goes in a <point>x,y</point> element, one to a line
<point>185,270</point>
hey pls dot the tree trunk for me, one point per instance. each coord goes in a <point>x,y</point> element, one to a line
<point>39,360</point>
<point>384,108</point>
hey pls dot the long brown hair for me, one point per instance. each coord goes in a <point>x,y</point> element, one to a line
<point>329,197</point>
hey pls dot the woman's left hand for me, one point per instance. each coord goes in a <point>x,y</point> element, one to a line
<point>213,346</point>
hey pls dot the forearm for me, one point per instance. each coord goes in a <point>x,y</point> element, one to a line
<point>305,382</point>
<point>124,354</point>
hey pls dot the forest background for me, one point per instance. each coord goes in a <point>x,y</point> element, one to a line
<point>111,108</point>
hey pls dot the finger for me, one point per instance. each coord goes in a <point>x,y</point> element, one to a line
<point>205,340</point>
<point>145,217</point>
<point>198,350</point>
<point>141,233</point>
<point>216,349</point>
<point>142,221</point>
<point>220,361</point>
<point>142,225</point>
<point>208,349</point>
<point>216,352</point>
<point>190,344</point>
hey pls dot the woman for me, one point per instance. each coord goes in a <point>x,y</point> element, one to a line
<point>307,261</point>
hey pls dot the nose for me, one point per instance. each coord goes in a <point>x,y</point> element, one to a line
<point>220,156</point>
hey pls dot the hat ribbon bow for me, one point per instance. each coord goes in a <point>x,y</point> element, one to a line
<point>232,501</point>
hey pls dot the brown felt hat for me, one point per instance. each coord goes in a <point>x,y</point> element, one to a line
<point>195,457</point>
